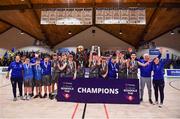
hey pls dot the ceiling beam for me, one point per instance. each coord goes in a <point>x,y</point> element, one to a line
<point>80,5</point>
<point>115,36</point>
<point>138,4</point>
<point>43,31</point>
<point>9,27</point>
<point>163,33</point>
<point>72,36</point>
<point>148,25</point>
<point>20,29</point>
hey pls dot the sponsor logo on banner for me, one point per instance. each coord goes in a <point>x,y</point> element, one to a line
<point>175,72</point>
<point>154,52</point>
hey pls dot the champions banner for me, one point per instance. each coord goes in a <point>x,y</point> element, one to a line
<point>82,90</point>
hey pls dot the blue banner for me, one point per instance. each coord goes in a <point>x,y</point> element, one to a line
<point>173,72</point>
<point>154,52</point>
<point>81,90</point>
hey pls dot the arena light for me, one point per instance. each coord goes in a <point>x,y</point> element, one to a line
<point>67,16</point>
<point>172,33</point>
<point>69,32</point>
<point>120,32</point>
<point>21,32</point>
<point>120,16</point>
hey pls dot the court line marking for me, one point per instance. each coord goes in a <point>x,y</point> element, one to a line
<point>170,84</point>
<point>5,85</point>
<point>75,109</point>
<point>84,111</point>
<point>106,112</point>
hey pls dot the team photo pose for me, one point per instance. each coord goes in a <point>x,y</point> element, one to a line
<point>103,68</point>
<point>94,65</point>
<point>16,68</point>
<point>55,72</point>
<point>28,79</point>
<point>122,63</point>
<point>38,78</point>
<point>158,78</point>
<point>145,76</point>
<point>113,67</point>
<point>71,70</point>
<point>46,76</point>
<point>133,65</point>
<point>62,65</point>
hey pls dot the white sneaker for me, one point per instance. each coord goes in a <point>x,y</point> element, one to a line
<point>28,97</point>
<point>15,99</point>
<point>160,105</point>
<point>21,97</point>
<point>25,96</point>
<point>156,103</point>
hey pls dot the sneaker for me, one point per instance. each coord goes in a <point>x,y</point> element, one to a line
<point>50,96</point>
<point>40,96</point>
<point>150,101</point>
<point>156,103</point>
<point>28,97</point>
<point>160,105</point>
<point>141,99</point>
<point>15,99</point>
<point>45,95</point>
<point>36,96</point>
<point>21,97</point>
<point>53,96</point>
<point>25,96</point>
<point>31,95</point>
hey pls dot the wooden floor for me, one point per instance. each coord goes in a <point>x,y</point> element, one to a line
<point>45,108</point>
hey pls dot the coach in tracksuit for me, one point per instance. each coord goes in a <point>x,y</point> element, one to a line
<point>16,76</point>
<point>158,78</point>
<point>145,76</point>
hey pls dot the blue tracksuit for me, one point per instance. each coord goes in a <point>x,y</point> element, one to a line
<point>46,68</point>
<point>16,76</point>
<point>28,71</point>
<point>159,69</point>
<point>112,69</point>
<point>37,72</point>
<point>17,68</point>
<point>146,71</point>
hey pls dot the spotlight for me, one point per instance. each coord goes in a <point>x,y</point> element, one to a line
<point>120,32</point>
<point>172,33</point>
<point>69,32</point>
<point>21,32</point>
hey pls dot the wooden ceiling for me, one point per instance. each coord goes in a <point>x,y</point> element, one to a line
<point>161,17</point>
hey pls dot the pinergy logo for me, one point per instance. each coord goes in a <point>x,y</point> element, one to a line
<point>66,95</point>
<point>130,97</point>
